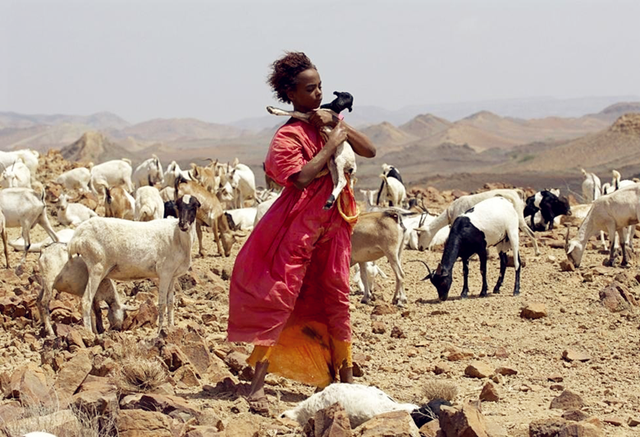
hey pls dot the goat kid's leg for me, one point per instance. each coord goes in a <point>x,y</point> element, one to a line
<point>483,270</point>
<point>503,268</point>
<point>43,302</point>
<point>97,322</point>
<point>170,306</point>
<point>465,278</point>
<point>163,294</point>
<point>337,176</point>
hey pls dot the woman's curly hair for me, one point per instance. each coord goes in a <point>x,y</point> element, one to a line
<point>284,72</point>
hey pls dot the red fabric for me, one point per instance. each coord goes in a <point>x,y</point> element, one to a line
<point>294,267</point>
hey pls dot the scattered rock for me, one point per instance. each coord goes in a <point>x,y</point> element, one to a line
<point>465,421</point>
<point>617,297</point>
<point>138,423</point>
<point>574,415</point>
<point>236,361</point>
<point>173,406</point>
<point>72,375</point>
<point>331,422</point>
<point>489,393</point>
<point>555,378</point>
<point>574,355</point>
<point>534,311</point>
<point>378,327</point>
<point>506,371</point>
<point>501,352</point>
<point>478,369</point>
<point>633,422</point>
<point>394,423</point>
<point>383,309</point>
<point>567,266</point>
<point>396,332</point>
<point>557,427</point>
<point>440,368</point>
<point>613,420</point>
<point>567,401</point>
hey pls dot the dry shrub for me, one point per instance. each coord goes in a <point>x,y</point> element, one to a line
<point>436,389</point>
<point>140,375</point>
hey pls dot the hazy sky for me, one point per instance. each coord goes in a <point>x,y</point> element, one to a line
<point>144,59</point>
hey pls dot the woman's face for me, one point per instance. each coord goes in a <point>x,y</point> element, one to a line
<point>307,95</point>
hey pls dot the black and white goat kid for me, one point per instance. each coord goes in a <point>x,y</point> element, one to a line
<point>492,222</point>
<point>550,205</point>
<point>344,159</point>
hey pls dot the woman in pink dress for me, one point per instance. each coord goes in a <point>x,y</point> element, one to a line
<point>289,292</point>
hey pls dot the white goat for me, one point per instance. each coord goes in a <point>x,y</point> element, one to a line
<point>344,159</point>
<point>75,179</point>
<point>242,219</point>
<point>72,214</point>
<point>16,175</point>
<point>263,207</point>
<point>23,207</point>
<point>613,213</point>
<point>419,221</point>
<point>149,204</point>
<point>148,173</point>
<point>393,191</point>
<point>360,402</point>
<point>28,157</point>
<point>172,173</point>
<point>591,187</point>
<point>59,272</point>
<point>463,203</point>
<point>243,182</point>
<point>372,270</point>
<point>118,203</point>
<point>492,222</point>
<point>378,234</point>
<point>126,250</point>
<point>113,173</point>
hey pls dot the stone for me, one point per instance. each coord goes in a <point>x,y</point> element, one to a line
<point>466,421</point>
<point>173,357</point>
<point>173,406</point>
<point>332,421</point>
<point>396,332</point>
<point>478,369</point>
<point>72,375</point>
<point>613,420</point>
<point>556,427</point>
<point>394,423</point>
<point>138,423</point>
<point>102,401</point>
<point>617,297</point>
<point>574,415</point>
<point>59,422</point>
<point>567,400</point>
<point>146,315</point>
<point>440,368</point>
<point>378,327</point>
<point>186,376</point>
<point>579,429</point>
<point>506,371</point>
<point>383,309</point>
<point>430,429</point>
<point>489,393</point>
<point>534,311</point>
<point>633,422</point>
<point>555,378</point>
<point>501,352</point>
<point>192,345</point>
<point>204,431</point>
<point>567,266</point>
<point>29,384</point>
<point>574,355</point>
<point>236,361</point>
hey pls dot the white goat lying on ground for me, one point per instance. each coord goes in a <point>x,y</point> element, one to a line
<point>361,403</point>
<point>344,159</point>
<point>66,275</point>
<point>464,203</point>
<point>64,236</point>
<point>125,251</point>
<point>612,213</point>
<point>72,214</point>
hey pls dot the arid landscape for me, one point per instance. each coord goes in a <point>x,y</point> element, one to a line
<point>568,332</point>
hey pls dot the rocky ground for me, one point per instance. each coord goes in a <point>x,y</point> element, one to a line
<point>572,339</point>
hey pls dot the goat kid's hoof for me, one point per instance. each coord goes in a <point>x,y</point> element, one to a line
<point>496,291</point>
<point>516,292</point>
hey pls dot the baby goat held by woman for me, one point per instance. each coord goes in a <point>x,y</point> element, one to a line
<point>492,222</point>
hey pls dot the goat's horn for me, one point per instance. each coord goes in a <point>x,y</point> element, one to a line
<point>426,265</point>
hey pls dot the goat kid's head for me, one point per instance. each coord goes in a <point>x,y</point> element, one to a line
<point>424,238</point>
<point>342,101</point>
<point>187,208</point>
<point>441,280</point>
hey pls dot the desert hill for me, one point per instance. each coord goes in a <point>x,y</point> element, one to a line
<point>613,112</point>
<point>425,125</point>
<point>178,128</point>
<point>95,147</point>
<point>99,120</point>
<point>387,135</point>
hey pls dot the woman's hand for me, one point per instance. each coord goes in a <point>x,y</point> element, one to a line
<point>337,136</point>
<point>321,117</point>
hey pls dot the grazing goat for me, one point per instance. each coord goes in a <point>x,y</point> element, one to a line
<point>113,173</point>
<point>418,221</point>
<point>72,214</point>
<point>64,236</point>
<point>241,219</point>
<point>343,160</point>
<point>463,203</point>
<point>148,204</point>
<point>23,207</point>
<point>393,192</point>
<point>378,234</point>
<point>148,173</point>
<point>549,204</point>
<point>492,222</point>
<point>118,203</point>
<point>58,272</point>
<point>613,213</point>
<point>591,187</point>
<point>126,251</point>
<point>75,179</point>
<point>209,214</point>
<point>16,175</point>
<point>360,402</point>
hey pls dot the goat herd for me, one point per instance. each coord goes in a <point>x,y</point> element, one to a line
<point>138,239</point>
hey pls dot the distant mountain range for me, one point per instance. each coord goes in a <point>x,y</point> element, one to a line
<point>426,147</point>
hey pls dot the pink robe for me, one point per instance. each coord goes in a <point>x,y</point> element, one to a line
<point>294,267</point>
